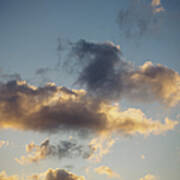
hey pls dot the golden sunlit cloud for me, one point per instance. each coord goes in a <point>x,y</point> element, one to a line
<point>143,156</point>
<point>53,108</point>
<point>39,152</point>
<point>107,171</point>
<point>163,83</point>
<point>148,177</point>
<point>156,4</point>
<point>61,174</point>
<point>101,146</point>
<point>30,147</point>
<point>3,176</point>
<point>50,174</point>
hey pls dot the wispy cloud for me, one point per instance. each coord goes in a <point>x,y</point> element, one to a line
<point>64,149</point>
<point>140,17</point>
<point>101,146</point>
<point>107,171</point>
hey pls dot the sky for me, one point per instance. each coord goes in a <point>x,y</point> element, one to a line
<point>89,90</point>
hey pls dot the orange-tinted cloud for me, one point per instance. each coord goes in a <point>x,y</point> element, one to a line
<point>148,177</point>
<point>53,108</point>
<point>107,171</point>
<point>100,146</point>
<point>4,176</point>
<point>57,174</point>
<point>158,82</point>
<point>50,174</point>
<point>143,156</point>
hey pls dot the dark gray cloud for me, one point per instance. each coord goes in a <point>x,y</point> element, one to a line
<point>64,149</point>
<point>42,71</point>
<point>100,69</point>
<point>61,174</point>
<point>98,65</point>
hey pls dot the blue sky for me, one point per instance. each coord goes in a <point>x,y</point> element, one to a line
<point>29,33</point>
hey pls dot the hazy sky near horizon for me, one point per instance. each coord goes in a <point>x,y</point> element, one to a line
<point>89,89</point>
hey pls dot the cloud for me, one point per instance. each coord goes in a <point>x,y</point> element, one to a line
<point>160,81</point>
<point>107,171</point>
<point>50,174</point>
<point>140,18</point>
<point>156,3</point>
<point>143,157</point>
<point>64,149</point>
<point>148,177</point>
<point>101,146</point>
<point>103,72</point>
<point>3,176</point>
<point>96,64</point>
<point>157,6</point>
<point>57,174</point>
<point>62,175</point>
<point>53,108</point>
<point>57,109</point>
<point>42,73</point>
<point>3,143</point>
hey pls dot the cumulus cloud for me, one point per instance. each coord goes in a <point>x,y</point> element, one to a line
<point>140,17</point>
<point>107,171</point>
<point>50,174</point>
<point>57,174</point>
<point>64,149</point>
<point>161,82</point>
<point>148,177</point>
<point>107,78</point>
<point>103,72</point>
<point>53,108</point>
<point>4,176</point>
